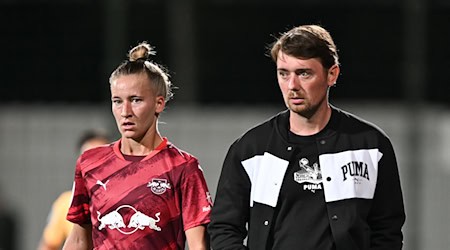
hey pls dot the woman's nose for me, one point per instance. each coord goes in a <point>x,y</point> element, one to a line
<point>126,109</point>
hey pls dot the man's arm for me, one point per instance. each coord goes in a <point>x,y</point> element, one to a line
<point>197,238</point>
<point>387,214</point>
<point>80,238</point>
<point>231,209</point>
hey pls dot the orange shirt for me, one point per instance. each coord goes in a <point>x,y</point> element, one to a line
<point>58,228</point>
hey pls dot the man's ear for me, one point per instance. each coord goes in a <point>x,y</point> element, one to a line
<point>333,74</point>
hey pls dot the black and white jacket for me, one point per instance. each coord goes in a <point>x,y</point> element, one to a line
<point>360,179</point>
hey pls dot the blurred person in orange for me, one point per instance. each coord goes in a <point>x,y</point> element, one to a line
<point>58,228</point>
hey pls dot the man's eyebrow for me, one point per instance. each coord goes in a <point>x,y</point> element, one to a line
<point>301,70</point>
<point>296,70</point>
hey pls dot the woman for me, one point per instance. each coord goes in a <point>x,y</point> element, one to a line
<point>140,192</point>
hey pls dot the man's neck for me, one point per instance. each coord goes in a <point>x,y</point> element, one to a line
<point>305,126</point>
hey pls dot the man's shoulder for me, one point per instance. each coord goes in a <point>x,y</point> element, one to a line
<point>258,135</point>
<point>354,123</point>
<point>261,129</point>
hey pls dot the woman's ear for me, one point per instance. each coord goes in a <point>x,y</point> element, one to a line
<point>160,104</point>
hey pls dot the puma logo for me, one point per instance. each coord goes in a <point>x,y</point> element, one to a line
<point>99,182</point>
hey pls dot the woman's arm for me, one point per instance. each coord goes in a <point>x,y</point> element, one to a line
<point>80,238</point>
<point>197,238</point>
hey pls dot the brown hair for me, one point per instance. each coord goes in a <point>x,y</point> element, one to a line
<point>307,41</point>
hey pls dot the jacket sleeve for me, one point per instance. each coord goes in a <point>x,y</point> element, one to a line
<point>231,208</point>
<point>387,214</point>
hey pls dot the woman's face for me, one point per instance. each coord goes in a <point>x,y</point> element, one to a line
<point>135,105</point>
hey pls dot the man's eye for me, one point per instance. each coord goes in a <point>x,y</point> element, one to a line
<point>116,101</point>
<point>283,74</point>
<point>304,74</point>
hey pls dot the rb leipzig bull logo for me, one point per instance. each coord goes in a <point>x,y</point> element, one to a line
<point>138,220</point>
<point>158,186</point>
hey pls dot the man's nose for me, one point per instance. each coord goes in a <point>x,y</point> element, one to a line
<point>293,82</point>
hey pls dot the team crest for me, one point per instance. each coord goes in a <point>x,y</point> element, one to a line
<point>158,186</point>
<point>309,176</point>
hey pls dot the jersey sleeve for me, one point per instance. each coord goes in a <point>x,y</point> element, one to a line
<point>79,208</point>
<point>196,199</point>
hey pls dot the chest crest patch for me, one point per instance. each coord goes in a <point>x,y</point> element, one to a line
<point>309,176</point>
<point>158,186</point>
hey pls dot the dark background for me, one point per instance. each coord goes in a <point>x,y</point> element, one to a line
<point>63,51</point>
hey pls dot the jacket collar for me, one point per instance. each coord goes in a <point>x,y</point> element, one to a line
<point>282,124</point>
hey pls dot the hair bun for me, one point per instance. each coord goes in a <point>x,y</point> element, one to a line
<point>141,51</point>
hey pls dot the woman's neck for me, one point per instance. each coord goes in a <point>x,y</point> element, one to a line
<point>143,146</point>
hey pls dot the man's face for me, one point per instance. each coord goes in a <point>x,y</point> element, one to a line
<point>304,83</point>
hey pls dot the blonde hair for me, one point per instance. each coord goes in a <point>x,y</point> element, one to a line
<point>139,62</point>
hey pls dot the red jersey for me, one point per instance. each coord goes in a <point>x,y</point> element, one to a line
<point>145,204</point>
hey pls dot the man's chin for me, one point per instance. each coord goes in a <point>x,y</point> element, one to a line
<point>301,110</point>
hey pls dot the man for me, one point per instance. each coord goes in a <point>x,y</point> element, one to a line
<point>313,176</point>
<point>58,228</point>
